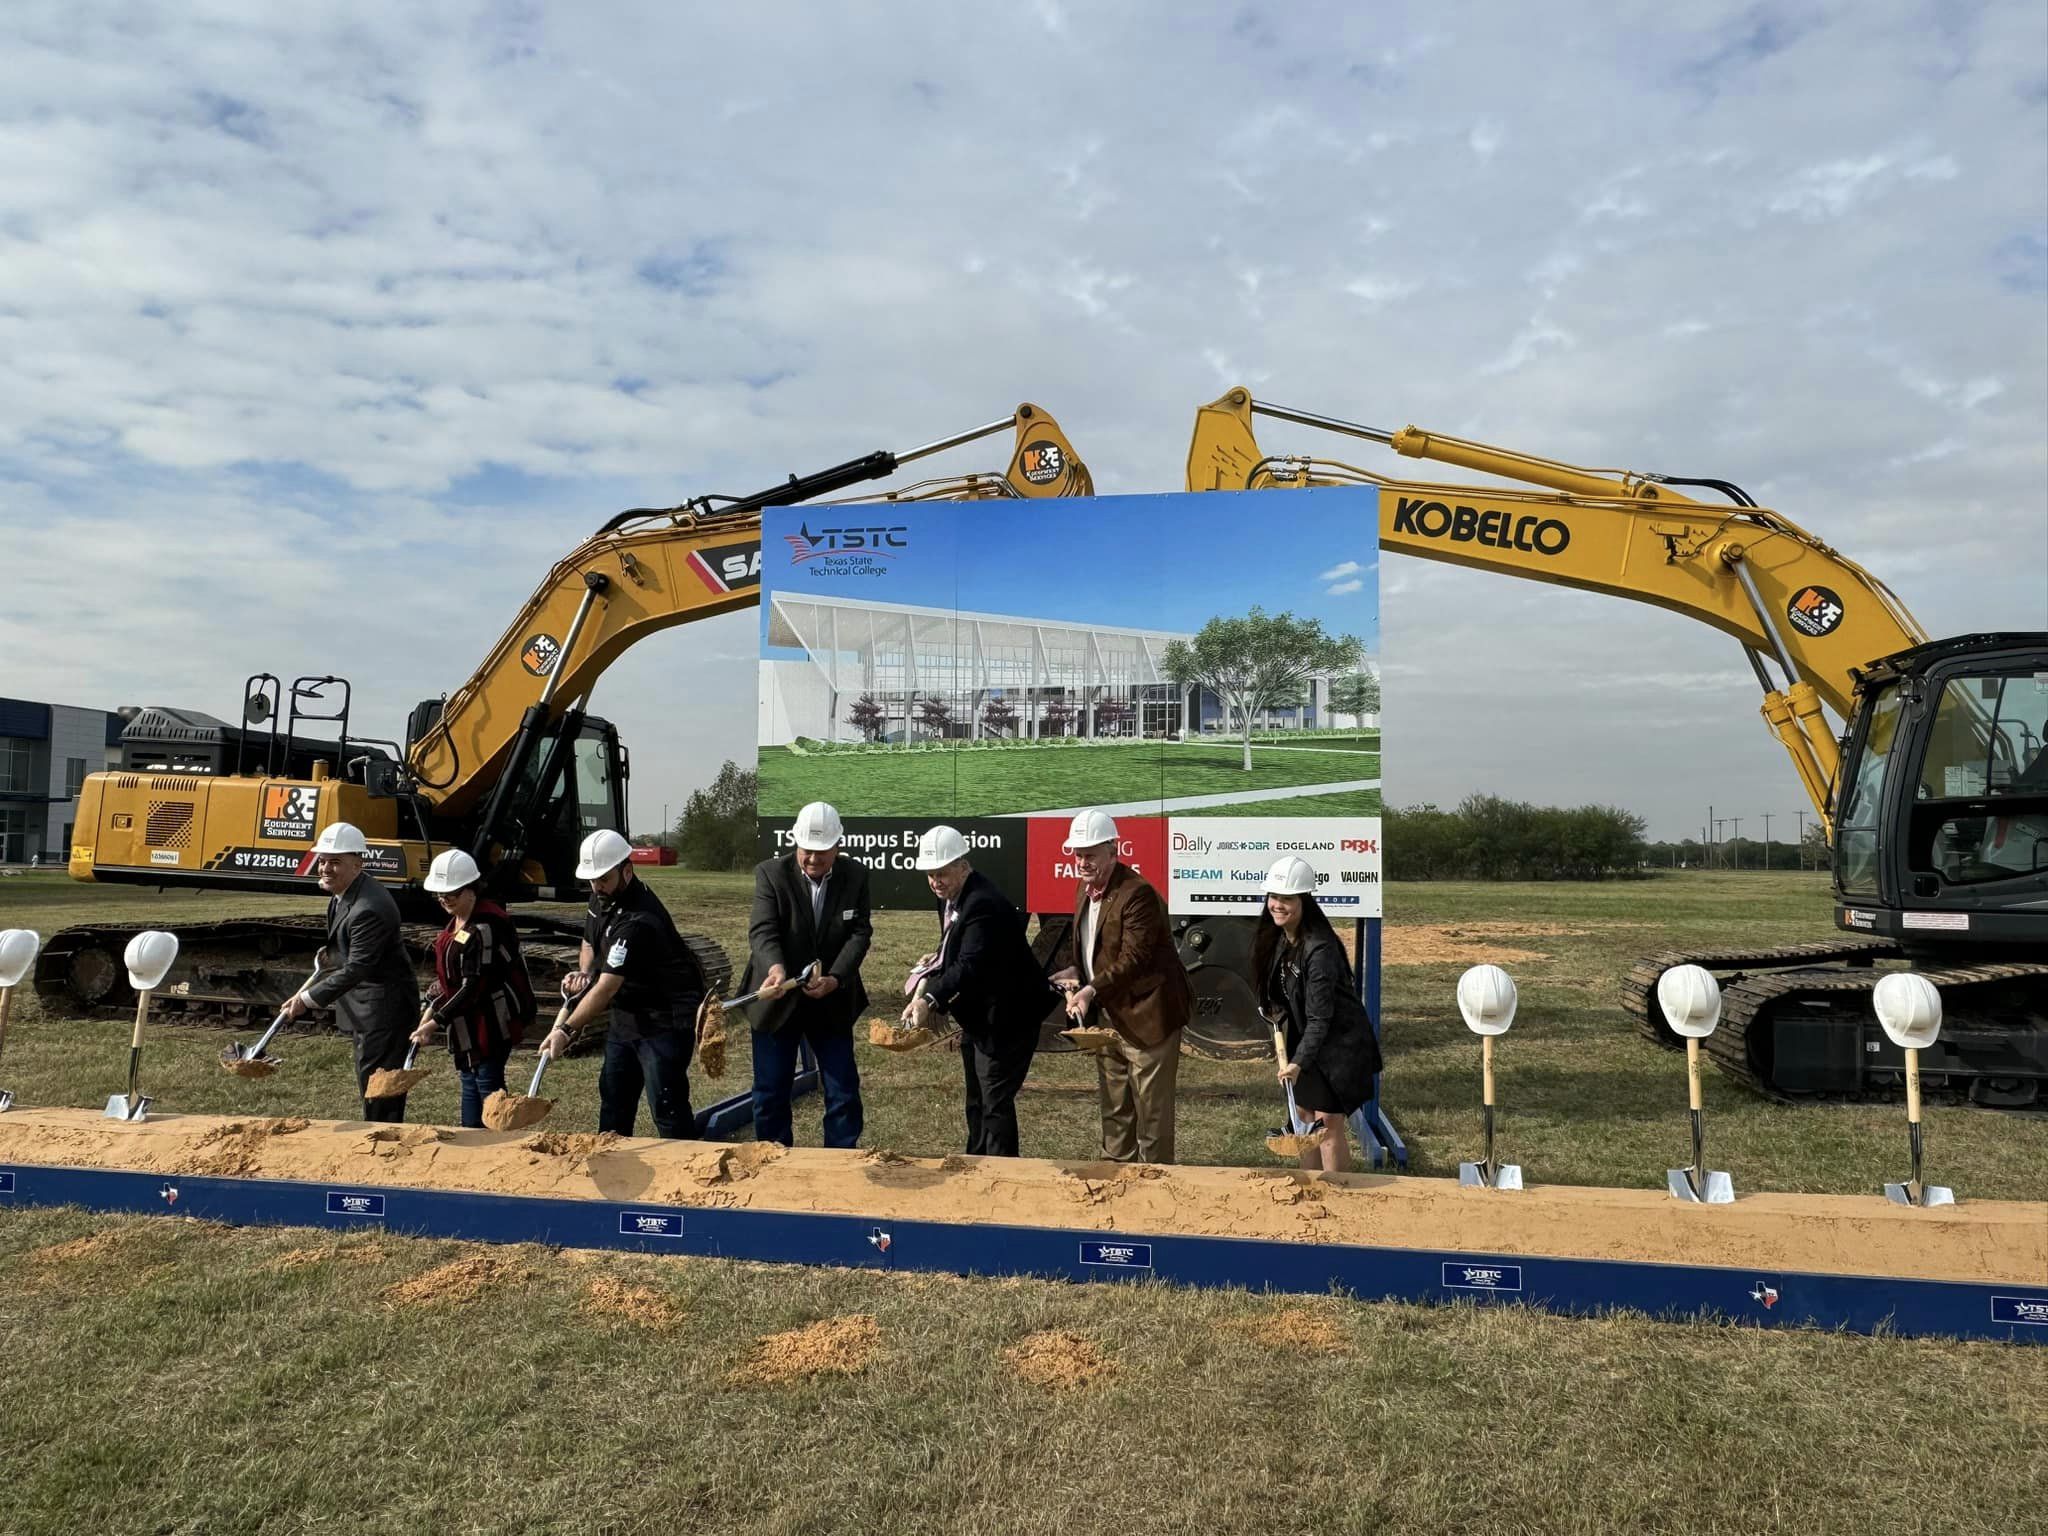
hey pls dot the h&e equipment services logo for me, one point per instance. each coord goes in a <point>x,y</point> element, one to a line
<point>539,654</point>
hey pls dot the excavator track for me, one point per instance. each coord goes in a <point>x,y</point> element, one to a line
<point>1812,1001</point>
<point>1639,990</point>
<point>233,974</point>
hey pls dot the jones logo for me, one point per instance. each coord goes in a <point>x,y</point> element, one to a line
<point>1042,462</point>
<point>806,545</point>
<point>1815,611</point>
<point>539,654</point>
<point>1471,525</point>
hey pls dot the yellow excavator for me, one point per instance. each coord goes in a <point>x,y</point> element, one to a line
<point>1934,794</point>
<point>511,766</point>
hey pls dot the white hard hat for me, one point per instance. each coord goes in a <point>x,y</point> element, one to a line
<point>940,847</point>
<point>1090,829</point>
<point>149,958</point>
<point>1909,1007</point>
<point>602,852</point>
<point>1486,997</point>
<point>1291,876</point>
<point>817,827</point>
<point>18,948</point>
<point>1691,1000</point>
<point>451,871</point>
<point>341,837</point>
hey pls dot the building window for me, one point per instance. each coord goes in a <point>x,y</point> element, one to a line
<point>14,765</point>
<point>13,836</point>
<point>74,777</point>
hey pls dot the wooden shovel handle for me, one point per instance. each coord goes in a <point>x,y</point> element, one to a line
<point>1279,1046</point>
<point>1912,1086</point>
<point>1692,1072</point>
<point>6,1007</point>
<point>1486,1070</point>
<point>141,1014</point>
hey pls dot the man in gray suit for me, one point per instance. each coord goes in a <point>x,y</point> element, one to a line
<point>810,905</point>
<point>368,981</point>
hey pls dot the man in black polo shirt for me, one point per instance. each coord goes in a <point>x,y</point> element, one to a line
<point>636,964</point>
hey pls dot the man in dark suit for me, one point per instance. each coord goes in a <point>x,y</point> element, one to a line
<point>985,977</point>
<point>1126,974</point>
<point>810,906</point>
<point>369,982</point>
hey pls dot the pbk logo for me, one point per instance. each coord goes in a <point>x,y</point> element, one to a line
<point>539,654</point>
<point>1815,611</point>
<point>883,542</point>
<point>1042,462</point>
<point>1360,845</point>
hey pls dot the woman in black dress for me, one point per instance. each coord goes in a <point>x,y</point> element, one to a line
<point>1304,983</point>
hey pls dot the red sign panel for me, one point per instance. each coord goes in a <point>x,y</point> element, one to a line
<point>1050,882</point>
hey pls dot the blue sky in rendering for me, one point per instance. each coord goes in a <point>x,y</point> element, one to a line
<point>325,330</point>
<point>1169,562</point>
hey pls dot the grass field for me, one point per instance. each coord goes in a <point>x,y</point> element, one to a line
<point>994,781</point>
<point>172,1376</point>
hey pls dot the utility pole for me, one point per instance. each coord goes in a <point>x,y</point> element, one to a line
<point>1737,844</point>
<point>1719,858</point>
<point>1767,839</point>
<point>1713,850</point>
<point>1802,838</point>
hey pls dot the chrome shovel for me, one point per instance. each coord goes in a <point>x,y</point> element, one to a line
<point>1909,1008</point>
<point>1691,1000</point>
<point>1487,998</point>
<point>18,948</point>
<point>149,958</point>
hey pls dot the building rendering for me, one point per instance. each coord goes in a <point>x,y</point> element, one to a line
<point>896,672</point>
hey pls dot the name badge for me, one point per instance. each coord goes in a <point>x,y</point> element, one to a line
<point>848,915</point>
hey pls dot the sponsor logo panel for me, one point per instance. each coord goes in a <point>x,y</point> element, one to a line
<point>1117,1255</point>
<point>1218,863</point>
<point>1050,883</point>
<point>344,1202</point>
<point>650,1224</point>
<point>1483,1277</point>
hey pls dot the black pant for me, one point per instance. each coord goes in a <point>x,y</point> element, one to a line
<point>382,1048</point>
<point>995,1071</point>
<point>661,1064</point>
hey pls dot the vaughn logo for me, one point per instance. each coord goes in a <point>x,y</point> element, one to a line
<point>726,567</point>
<point>1815,611</point>
<point>806,545</point>
<point>1475,525</point>
<point>1042,462</point>
<point>539,654</point>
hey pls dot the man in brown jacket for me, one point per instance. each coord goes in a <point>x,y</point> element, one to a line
<point>1126,972</point>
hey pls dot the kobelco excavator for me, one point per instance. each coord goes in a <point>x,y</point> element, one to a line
<point>510,766</point>
<point>1934,793</point>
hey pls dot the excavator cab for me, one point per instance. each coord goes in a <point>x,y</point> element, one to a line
<point>1941,815</point>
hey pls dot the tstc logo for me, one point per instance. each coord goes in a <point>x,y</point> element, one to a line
<point>884,542</point>
<point>1418,517</point>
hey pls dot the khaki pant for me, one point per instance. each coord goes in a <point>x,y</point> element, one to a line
<point>1137,1087</point>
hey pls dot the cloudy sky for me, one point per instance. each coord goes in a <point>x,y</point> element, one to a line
<point>324,330</point>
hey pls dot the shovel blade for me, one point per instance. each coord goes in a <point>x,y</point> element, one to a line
<point>1720,1189</point>
<point>1509,1176</point>
<point>1937,1194</point>
<point>1471,1176</point>
<point>6,1101</point>
<point>1679,1182</point>
<point>121,1107</point>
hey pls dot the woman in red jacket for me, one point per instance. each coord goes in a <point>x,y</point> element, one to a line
<point>481,994</point>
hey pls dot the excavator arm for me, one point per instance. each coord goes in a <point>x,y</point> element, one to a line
<point>1787,597</point>
<point>644,571</point>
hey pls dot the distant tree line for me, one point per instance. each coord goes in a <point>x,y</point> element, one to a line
<point>1488,838</point>
<point>716,830</point>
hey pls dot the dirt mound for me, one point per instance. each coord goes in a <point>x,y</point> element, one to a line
<point>1297,1328</point>
<point>237,1147</point>
<point>571,1143</point>
<point>98,1264</point>
<point>1058,1360</point>
<point>91,1248</point>
<point>606,1297</point>
<point>833,1346</point>
<point>514,1111</point>
<point>459,1282</point>
<point>1475,943</point>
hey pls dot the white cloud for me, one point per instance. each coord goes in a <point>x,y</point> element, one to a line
<point>1343,588</point>
<point>1340,570</point>
<point>425,293</point>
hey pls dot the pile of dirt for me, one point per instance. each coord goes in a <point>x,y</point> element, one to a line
<point>99,1264</point>
<point>1297,1328</point>
<point>237,1147</point>
<point>459,1282</point>
<point>1058,1361</point>
<point>607,1297</point>
<point>833,1346</point>
<point>571,1143</point>
<point>1474,943</point>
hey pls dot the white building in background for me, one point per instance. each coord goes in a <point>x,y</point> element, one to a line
<point>1043,677</point>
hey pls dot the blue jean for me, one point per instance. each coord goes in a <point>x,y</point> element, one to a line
<point>661,1065</point>
<point>775,1064</point>
<point>479,1083</point>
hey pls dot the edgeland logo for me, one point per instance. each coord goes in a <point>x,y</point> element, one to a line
<point>883,542</point>
<point>1474,525</point>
